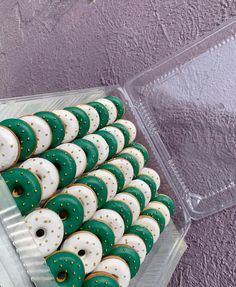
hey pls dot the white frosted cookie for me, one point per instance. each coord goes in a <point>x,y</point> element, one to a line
<point>46,172</point>
<point>111,108</point>
<point>137,154</point>
<point>153,174</point>
<point>150,224</point>
<point>162,208</point>
<point>42,131</point>
<point>93,117</point>
<point>87,246</point>
<point>70,123</point>
<point>125,167</point>
<point>86,196</point>
<point>130,127</point>
<point>143,187</point>
<point>9,148</point>
<point>46,228</point>
<point>118,135</point>
<point>77,154</point>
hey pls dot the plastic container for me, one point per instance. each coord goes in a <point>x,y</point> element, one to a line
<point>185,109</point>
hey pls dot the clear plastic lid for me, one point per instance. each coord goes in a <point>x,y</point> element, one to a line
<point>187,105</point>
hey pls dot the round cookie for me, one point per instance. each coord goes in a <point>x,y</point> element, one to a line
<point>135,242</point>
<point>42,131</point>
<point>150,224</point>
<point>47,173</point>
<point>131,201</point>
<point>56,125</point>
<point>119,105</point>
<point>70,210</point>
<point>125,167</point>
<point>98,186</point>
<point>144,234</point>
<point>64,163</point>
<point>133,161</point>
<point>25,188</point>
<point>9,148</point>
<point>111,108</point>
<point>101,145</point>
<point>116,172</point>
<point>109,179</point>
<point>86,196</point>
<point>110,140</point>
<point>135,153</point>
<point>124,131</point>
<point>87,246</point>
<point>143,187</point>
<point>82,118</point>
<point>70,123</point>
<point>113,219</point>
<point>67,269</point>
<point>120,139</point>
<point>130,127</point>
<point>165,199</point>
<point>93,116</point>
<point>129,255</point>
<point>157,215</point>
<point>137,193</point>
<point>117,267</point>
<point>162,208</point>
<point>103,113</point>
<point>25,135</point>
<point>153,174</point>
<point>150,182</point>
<point>100,279</point>
<point>142,149</point>
<point>77,154</point>
<point>46,229</point>
<point>123,209</point>
<point>103,231</point>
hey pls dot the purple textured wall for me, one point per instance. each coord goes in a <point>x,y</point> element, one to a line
<point>57,45</point>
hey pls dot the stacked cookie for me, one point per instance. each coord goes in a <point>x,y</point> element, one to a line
<point>99,210</point>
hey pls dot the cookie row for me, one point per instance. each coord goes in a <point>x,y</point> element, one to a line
<point>33,134</point>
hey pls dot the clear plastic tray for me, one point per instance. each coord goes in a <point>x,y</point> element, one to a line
<point>184,109</point>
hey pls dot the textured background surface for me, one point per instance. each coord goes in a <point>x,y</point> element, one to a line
<point>67,45</point>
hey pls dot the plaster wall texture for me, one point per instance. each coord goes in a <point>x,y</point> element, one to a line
<point>57,45</point>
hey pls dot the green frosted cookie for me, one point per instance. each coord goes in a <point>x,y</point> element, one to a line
<point>119,105</point>
<point>103,113</point>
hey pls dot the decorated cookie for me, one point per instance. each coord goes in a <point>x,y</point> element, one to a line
<point>86,196</point>
<point>42,131</point>
<point>162,208</point>
<point>157,215</point>
<point>143,187</point>
<point>67,269</point>
<point>103,113</point>
<point>9,148</point>
<point>119,136</point>
<point>150,182</point>
<point>137,154</point>
<point>119,105</point>
<point>87,246</point>
<point>116,266</point>
<point>142,149</point>
<point>110,140</point>
<point>116,172</point>
<point>46,229</point>
<point>135,242</point>
<point>123,209</point>
<point>25,188</point>
<point>103,231</point>
<point>25,135</point>
<point>100,279</point>
<point>130,127</point>
<point>137,193</point>
<point>69,209</point>
<point>129,255</point>
<point>82,118</point>
<point>93,116</point>
<point>46,172</point>
<point>64,163</point>
<point>111,108</point>
<point>91,152</point>
<point>56,125</point>
<point>132,203</point>
<point>144,234</point>
<point>70,123</point>
<point>153,174</point>
<point>97,185</point>
<point>77,154</point>
<point>101,145</point>
<point>133,161</point>
<point>113,219</point>
<point>109,179</point>
<point>124,131</point>
<point>125,167</point>
<point>165,199</point>
<point>150,224</point>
